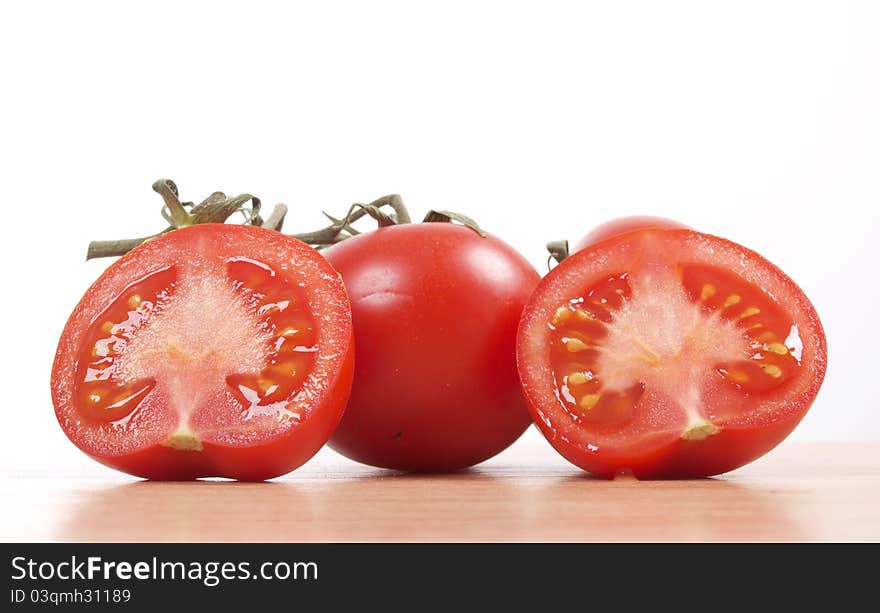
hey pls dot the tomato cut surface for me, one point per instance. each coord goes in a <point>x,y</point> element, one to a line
<point>668,352</point>
<point>214,350</point>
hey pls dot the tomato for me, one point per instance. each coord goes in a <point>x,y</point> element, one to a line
<point>212,350</point>
<point>435,309</point>
<point>622,225</point>
<point>668,353</point>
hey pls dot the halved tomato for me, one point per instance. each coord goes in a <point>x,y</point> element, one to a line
<point>212,350</point>
<point>668,353</point>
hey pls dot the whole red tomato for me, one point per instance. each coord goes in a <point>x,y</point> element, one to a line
<point>667,352</point>
<point>212,350</point>
<point>621,225</point>
<point>435,308</point>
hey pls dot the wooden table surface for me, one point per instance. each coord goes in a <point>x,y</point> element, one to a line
<point>798,492</point>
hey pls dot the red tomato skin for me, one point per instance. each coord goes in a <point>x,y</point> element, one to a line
<point>720,453</point>
<point>723,452</point>
<point>733,446</point>
<point>435,309</point>
<point>275,457</point>
<point>622,225</point>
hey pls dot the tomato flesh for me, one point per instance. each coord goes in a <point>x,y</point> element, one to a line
<point>205,342</point>
<point>657,339</point>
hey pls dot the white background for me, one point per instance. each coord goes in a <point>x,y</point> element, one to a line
<point>756,121</point>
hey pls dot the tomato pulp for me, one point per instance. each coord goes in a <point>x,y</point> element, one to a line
<point>213,350</point>
<point>435,309</point>
<point>669,353</point>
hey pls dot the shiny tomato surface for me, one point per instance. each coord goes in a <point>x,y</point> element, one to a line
<point>435,309</point>
<point>621,225</point>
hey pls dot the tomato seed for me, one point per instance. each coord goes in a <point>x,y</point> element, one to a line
<point>589,401</point>
<point>578,378</point>
<point>778,348</point>
<point>737,376</point>
<point>575,344</point>
<point>562,314</point>
<point>749,312</point>
<point>772,370</point>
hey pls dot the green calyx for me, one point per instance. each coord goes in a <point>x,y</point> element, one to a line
<point>558,250</point>
<point>218,208</point>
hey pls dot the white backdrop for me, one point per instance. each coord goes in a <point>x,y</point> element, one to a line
<point>756,121</point>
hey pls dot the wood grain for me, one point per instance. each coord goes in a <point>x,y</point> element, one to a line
<point>797,493</point>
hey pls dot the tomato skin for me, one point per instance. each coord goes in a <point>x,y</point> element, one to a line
<point>737,443</point>
<point>721,453</point>
<point>435,309</point>
<point>622,225</point>
<point>267,458</point>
